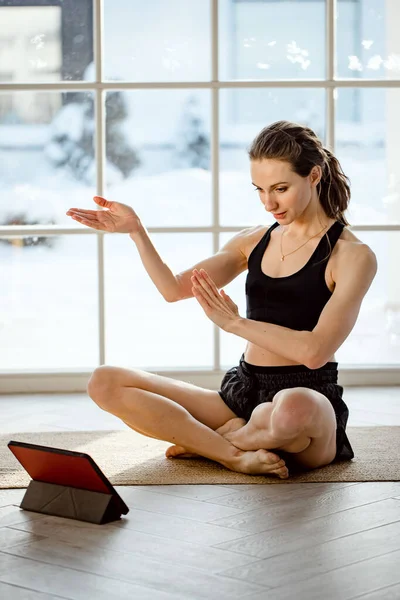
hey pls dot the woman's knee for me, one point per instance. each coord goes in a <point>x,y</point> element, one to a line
<point>288,413</point>
<point>103,384</point>
<point>293,410</point>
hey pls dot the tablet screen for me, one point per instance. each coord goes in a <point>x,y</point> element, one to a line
<point>63,467</point>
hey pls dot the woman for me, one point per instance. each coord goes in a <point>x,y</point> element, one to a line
<point>307,276</point>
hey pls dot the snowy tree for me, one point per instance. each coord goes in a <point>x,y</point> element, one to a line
<point>72,134</point>
<point>193,147</point>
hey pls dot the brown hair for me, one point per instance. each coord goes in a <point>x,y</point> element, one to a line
<point>300,146</point>
<point>302,149</point>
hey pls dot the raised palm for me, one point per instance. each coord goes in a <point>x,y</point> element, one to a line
<point>119,218</point>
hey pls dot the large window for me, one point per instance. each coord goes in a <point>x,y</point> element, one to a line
<point>154,104</point>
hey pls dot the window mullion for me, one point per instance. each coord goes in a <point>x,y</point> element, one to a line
<point>330,72</point>
<point>100,161</point>
<point>215,157</point>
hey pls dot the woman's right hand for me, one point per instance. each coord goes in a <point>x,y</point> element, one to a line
<point>119,218</point>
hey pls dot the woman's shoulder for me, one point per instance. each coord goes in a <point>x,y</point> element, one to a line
<point>253,237</point>
<point>348,236</point>
<point>348,242</point>
<point>348,248</point>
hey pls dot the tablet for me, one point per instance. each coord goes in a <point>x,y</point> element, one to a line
<point>63,467</point>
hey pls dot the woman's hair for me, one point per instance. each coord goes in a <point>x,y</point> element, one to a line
<point>300,146</point>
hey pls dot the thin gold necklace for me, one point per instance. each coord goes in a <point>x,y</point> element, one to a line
<point>284,255</point>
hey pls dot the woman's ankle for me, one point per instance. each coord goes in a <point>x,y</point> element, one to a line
<point>233,459</point>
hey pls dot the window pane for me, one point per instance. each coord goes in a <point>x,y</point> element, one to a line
<point>378,323</point>
<point>375,339</point>
<point>46,156</point>
<point>157,40</point>
<point>367,39</point>
<point>142,329</point>
<point>48,302</point>
<point>45,43</point>
<point>266,39</point>
<point>158,155</point>
<point>243,114</point>
<point>367,134</point>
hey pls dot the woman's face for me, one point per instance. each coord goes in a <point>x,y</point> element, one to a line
<point>280,189</point>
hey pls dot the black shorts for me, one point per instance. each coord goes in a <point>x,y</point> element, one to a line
<point>246,386</point>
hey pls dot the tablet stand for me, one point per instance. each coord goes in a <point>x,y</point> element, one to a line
<point>70,502</point>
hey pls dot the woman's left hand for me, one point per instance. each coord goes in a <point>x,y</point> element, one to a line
<point>217,305</point>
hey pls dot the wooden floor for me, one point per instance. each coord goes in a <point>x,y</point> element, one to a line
<point>300,541</point>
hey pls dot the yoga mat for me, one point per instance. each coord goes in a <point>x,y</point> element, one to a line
<point>129,458</point>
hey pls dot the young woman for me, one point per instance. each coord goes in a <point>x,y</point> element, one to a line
<point>281,406</point>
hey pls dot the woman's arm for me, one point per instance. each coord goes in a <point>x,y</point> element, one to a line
<point>160,273</point>
<point>223,266</point>
<point>290,343</point>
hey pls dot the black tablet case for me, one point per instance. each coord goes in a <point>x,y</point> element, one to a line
<point>67,484</point>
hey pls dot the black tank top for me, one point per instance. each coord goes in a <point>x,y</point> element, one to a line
<point>295,301</point>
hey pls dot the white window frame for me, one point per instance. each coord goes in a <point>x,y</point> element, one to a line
<point>69,380</point>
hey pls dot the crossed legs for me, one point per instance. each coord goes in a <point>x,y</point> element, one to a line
<point>188,416</point>
<point>299,420</point>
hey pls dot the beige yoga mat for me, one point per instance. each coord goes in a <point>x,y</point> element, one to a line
<point>128,458</point>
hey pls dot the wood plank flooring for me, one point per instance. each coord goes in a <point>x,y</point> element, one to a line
<point>306,541</point>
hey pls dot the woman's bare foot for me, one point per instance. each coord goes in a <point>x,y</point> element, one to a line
<point>228,427</point>
<point>174,451</point>
<point>231,426</point>
<point>259,462</point>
